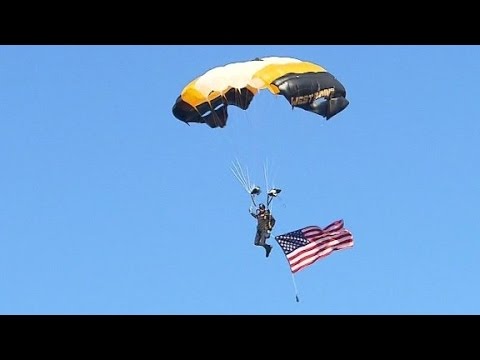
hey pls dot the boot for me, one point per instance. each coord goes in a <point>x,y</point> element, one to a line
<point>268,249</point>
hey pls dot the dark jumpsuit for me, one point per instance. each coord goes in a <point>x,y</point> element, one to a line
<point>265,222</point>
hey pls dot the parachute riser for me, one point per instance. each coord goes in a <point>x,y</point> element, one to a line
<point>272,193</point>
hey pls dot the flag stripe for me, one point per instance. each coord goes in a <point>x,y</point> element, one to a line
<point>307,249</point>
<point>310,258</point>
<point>330,241</point>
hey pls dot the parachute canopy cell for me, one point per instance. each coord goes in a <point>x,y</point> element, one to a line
<point>304,84</point>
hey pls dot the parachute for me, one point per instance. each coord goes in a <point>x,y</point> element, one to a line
<point>304,84</point>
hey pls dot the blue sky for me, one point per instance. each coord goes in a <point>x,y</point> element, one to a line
<point>110,205</point>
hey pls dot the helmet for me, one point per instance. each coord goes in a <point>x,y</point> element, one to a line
<point>261,206</point>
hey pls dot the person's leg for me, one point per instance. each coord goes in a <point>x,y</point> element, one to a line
<point>258,237</point>
<point>263,239</point>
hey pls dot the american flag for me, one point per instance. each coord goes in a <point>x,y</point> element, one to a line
<point>304,246</point>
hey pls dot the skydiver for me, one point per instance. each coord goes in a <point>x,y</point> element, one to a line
<point>265,224</point>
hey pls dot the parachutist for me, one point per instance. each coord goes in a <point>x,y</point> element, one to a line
<point>265,224</point>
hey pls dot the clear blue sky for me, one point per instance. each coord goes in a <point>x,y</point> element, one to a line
<point>110,205</point>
